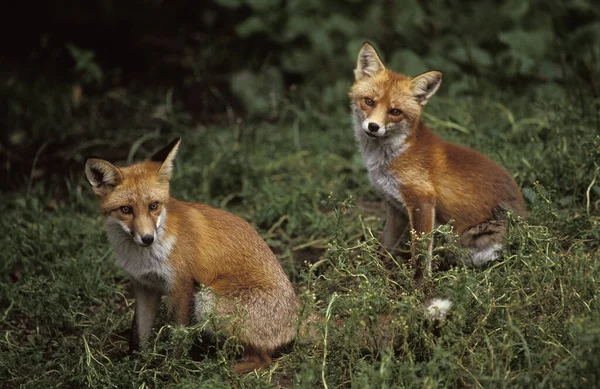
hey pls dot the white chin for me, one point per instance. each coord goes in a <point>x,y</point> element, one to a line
<point>372,135</point>
<point>139,242</point>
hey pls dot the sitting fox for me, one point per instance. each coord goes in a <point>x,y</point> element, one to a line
<point>171,247</point>
<point>424,180</point>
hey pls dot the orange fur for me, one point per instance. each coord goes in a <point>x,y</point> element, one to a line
<point>424,179</point>
<point>195,244</point>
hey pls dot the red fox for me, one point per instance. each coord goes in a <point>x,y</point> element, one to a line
<point>171,247</point>
<point>425,180</point>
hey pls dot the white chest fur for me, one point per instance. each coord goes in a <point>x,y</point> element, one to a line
<point>147,265</point>
<point>378,154</point>
<point>386,184</point>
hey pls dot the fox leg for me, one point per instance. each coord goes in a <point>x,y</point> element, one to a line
<point>484,241</point>
<point>181,303</point>
<point>180,306</point>
<point>146,307</point>
<point>393,230</point>
<point>422,219</point>
<point>253,360</point>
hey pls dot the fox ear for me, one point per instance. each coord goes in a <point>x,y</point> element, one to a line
<point>166,157</point>
<point>368,63</point>
<point>425,85</point>
<point>102,175</point>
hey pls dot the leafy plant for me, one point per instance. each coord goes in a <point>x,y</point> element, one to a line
<point>85,65</point>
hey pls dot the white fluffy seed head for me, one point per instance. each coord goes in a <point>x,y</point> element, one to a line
<point>438,308</point>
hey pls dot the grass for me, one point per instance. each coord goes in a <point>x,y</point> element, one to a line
<point>531,320</point>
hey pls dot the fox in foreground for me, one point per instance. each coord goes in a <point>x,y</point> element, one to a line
<point>172,247</point>
<point>425,180</point>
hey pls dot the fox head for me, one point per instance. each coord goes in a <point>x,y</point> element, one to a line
<point>388,104</point>
<point>134,197</point>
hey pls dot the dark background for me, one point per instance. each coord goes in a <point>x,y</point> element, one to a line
<point>75,72</point>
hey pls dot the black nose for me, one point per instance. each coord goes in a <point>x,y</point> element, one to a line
<point>147,239</point>
<point>373,127</point>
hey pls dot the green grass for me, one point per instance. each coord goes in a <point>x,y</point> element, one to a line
<point>531,320</point>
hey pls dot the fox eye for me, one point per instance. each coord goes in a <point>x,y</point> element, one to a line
<point>125,209</point>
<point>369,102</point>
<point>153,206</point>
<point>395,112</point>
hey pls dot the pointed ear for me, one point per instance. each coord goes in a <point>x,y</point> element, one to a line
<point>425,85</point>
<point>368,63</point>
<point>102,175</point>
<point>166,157</point>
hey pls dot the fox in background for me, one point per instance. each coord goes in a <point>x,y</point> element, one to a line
<point>170,247</point>
<point>425,180</point>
